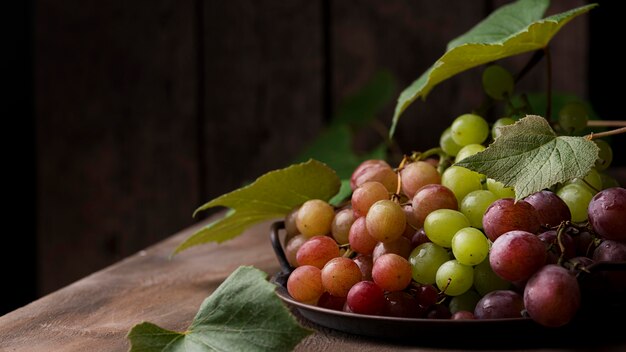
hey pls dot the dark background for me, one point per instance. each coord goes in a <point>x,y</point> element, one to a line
<point>124,116</point>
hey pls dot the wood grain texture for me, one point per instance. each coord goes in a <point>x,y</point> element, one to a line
<point>96,312</point>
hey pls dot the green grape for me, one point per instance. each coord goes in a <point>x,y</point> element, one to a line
<point>499,189</point>
<point>503,121</point>
<point>485,280</point>
<point>608,181</point>
<point>468,150</point>
<point>474,205</point>
<point>592,181</point>
<point>469,129</point>
<point>454,278</point>
<point>577,198</point>
<point>441,225</point>
<point>497,82</point>
<point>425,259</point>
<point>466,301</point>
<point>573,117</point>
<point>470,246</point>
<point>605,155</point>
<point>447,143</point>
<point>461,181</point>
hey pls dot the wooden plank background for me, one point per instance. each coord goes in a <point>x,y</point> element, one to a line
<point>146,109</point>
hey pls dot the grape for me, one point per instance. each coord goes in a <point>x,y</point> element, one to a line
<point>503,121</point>
<point>485,280</point>
<point>551,209</point>
<point>416,175</point>
<point>608,181</point>
<point>462,315</point>
<point>401,247</point>
<point>290,223</point>
<point>315,218</point>
<point>592,181</point>
<point>329,301</point>
<point>365,262</point>
<point>430,198</point>
<point>419,237</point>
<point>552,296</point>
<point>461,181</point>
<point>305,284</point>
<point>454,278</point>
<point>441,225</point>
<point>516,255</point>
<point>464,302</point>
<point>317,251</point>
<point>448,144</point>
<point>497,82</point>
<point>468,150</point>
<point>391,272</point>
<point>339,275</point>
<point>573,117</point>
<point>385,221</point>
<point>585,244</point>
<point>365,297</point>
<point>577,198</point>
<point>469,129</point>
<point>500,304</point>
<point>605,155</point>
<point>610,251</point>
<point>425,259</point>
<point>360,239</point>
<point>426,295</point>
<point>413,223</point>
<point>374,170</point>
<point>403,305</point>
<point>340,227</point>
<point>439,311</point>
<point>367,194</point>
<point>474,205</point>
<point>292,247</point>
<point>554,249</point>
<point>499,189</point>
<point>505,215</point>
<point>470,246</point>
<point>606,213</point>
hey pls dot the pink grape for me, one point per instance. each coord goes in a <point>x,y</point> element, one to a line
<point>374,170</point>
<point>416,175</point>
<point>366,297</point>
<point>552,296</point>
<point>305,284</point>
<point>339,275</point>
<point>430,198</point>
<point>499,304</point>
<point>317,251</point>
<point>551,209</point>
<point>359,238</point>
<point>516,255</point>
<point>367,194</point>
<point>506,215</point>
<point>392,272</point>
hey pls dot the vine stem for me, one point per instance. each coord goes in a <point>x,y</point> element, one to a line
<point>606,134</point>
<point>606,123</point>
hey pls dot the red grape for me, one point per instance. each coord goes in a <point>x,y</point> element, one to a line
<point>506,215</point>
<point>516,255</point>
<point>552,296</point>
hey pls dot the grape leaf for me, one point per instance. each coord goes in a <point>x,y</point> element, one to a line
<point>272,195</point>
<point>529,156</point>
<point>243,314</point>
<point>510,30</point>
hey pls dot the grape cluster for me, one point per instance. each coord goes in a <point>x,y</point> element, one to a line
<point>428,239</point>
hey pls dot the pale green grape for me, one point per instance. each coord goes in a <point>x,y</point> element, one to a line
<point>425,259</point>
<point>573,117</point>
<point>497,82</point>
<point>592,181</point>
<point>605,155</point>
<point>447,143</point>
<point>469,129</point>
<point>461,181</point>
<point>577,198</point>
<point>475,203</point>
<point>499,189</point>
<point>470,246</point>
<point>466,301</point>
<point>454,278</point>
<point>468,150</point>
<point>608,181</point>
<point>441,225</point>
<point>485,280</point>
<point>503,121</point>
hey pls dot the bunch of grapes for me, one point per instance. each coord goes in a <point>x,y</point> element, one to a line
<point>428,239</point>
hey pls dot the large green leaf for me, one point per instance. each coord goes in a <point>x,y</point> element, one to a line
<point>243,314</point>
<point>529,156</point>
<point>511,30</point>
<point>272,195</point>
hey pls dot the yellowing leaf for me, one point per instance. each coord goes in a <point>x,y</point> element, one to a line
<point>530,157</point>
<point>512,29</point>
<point>272,195</point>
<point>243,314</point>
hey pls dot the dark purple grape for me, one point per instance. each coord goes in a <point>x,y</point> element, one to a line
<point>499,304</point>
<point>585,244</point>
<point>551,209</point>
<point>329,301</point>
<point>610,251</point>
<point>552,296</point>
<point>365,263</point>
<point>365,297</point>
<point>506,215</point>
<point>516,255</point>
<point>606,213</point>
<point>426,295</point>
<point>419,237</point>
<point>403,305</point>
<point>463,315</point>
<point>554,248</point>
<point>438,311</point>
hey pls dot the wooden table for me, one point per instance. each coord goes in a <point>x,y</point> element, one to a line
<point>96,313</point>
